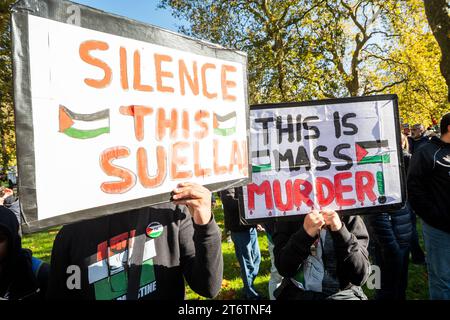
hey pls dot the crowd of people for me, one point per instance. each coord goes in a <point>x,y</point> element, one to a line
<point>149,253</point>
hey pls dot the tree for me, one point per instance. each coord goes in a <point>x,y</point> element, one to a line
<point>354,38</point>
<point>299,49</point>
<point>438,15</point>
<point>269,31</point>
<point>422,98</point>
<point>7,136</point>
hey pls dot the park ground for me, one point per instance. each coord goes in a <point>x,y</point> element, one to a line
<point>41,244</point>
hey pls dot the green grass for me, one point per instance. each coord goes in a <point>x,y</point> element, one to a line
<point>41,245</point>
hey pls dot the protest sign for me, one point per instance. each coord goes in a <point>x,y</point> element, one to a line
<point>341,154</point>
<point>111,114</point>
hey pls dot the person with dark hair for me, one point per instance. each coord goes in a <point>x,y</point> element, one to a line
<point>416,141</point>
<point>22,276</point>
<point>147,253</point>
<point>428,190</point>
<point>321,256</point>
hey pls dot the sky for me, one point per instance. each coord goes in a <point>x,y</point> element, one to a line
<point>141,10</point>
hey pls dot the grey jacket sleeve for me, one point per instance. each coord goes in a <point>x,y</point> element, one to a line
<point>201,256</point>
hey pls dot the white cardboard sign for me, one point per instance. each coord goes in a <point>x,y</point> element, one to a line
<point>116,119</point>
<point>339,154</point>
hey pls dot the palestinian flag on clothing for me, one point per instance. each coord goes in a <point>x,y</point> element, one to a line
<point>83,126</point>
<point>108,274</point>
<point>225,125</point>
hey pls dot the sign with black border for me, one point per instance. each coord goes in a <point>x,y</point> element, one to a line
<point>339,154</point>
<point>111,114</point>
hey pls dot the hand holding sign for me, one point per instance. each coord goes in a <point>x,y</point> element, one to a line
<point>332,220</point>
<point>197,198</point>
<point>314,221</point>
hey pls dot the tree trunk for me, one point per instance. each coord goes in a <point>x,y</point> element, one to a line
<point>439,21</point>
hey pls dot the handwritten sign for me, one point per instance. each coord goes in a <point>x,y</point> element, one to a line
<point>334,154</point>
<point>118,122</point>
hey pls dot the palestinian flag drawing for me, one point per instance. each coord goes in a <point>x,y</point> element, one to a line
<point>368,152</point>
<point>83,126</point>
<point>225,125</point>
<point>263,162</point>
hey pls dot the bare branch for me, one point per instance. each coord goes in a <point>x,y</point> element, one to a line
<point>385,87</point>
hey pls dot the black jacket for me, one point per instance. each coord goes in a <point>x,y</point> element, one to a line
<point>429,184</point>
<point>416,144</point>
<point>391,231</point>
<point>292,248</point>
<point>231,211</point>
<point>166,248</point>
<point>17,279</point>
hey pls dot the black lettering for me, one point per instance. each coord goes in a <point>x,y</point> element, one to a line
<point>302,159</point>
<point>287,156</point>
<point>341,156</point>
<point>289,129</point>
<point>298,127</point>
<point>265,124</point>
<point>316,134</point>
<point>337,124</point>
<point>319,158</point>
<point>352,126</point>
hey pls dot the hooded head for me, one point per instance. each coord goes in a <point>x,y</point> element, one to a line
<point>10,242</point>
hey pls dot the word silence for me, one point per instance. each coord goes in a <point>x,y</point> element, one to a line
<point>120,117</point>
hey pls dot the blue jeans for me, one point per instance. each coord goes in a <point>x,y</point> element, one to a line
<point>437,245</point>
<point>247,252</point>
<point>417,254</point>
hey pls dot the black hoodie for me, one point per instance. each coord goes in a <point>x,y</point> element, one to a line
<point>429,183</point>
<point>17,279</point>
<point>140,254</point>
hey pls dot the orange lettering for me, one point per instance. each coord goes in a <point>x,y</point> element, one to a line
<point>128,179</point>
<point>142,168</point>
<point>137,85</point>
<point>159,58</point>
<point>198,170</point>
<point>227,83</point>
<point>235,157</point>
<point>245,152</point>
<point>123,68</point>
<point>138,112</point>
<point>179,161</point>
<point>185,124</point>
<point>218,170</point>
<point>207,94</point>
<point>183,74</point>
<point>87,46</point>
<point>164,123</point>
<point>199,115</point>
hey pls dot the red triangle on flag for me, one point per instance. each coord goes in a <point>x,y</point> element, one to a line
<point>360,152</point>
<point>65,121</point>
